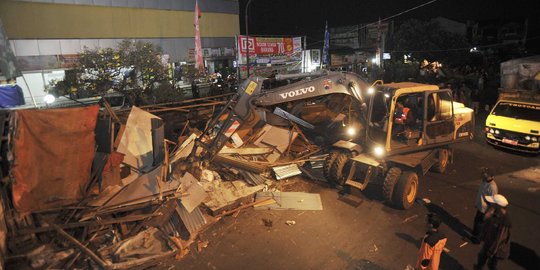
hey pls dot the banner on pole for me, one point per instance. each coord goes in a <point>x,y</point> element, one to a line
<point>199,64</point>
<point>326,45</point>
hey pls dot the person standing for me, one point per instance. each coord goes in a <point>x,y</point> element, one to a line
<point>475,98</point>
<point>495,235</point>
<point>429,255</point>
<point>488,187</point>
<point>194,89</point>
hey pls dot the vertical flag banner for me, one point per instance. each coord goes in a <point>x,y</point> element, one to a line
<point>326,45</point>
<point>199,64</point>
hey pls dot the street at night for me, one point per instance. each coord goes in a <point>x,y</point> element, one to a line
<point>258,134</point>
<point>360,232</point>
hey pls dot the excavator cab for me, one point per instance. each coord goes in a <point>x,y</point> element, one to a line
<point>406,116</point>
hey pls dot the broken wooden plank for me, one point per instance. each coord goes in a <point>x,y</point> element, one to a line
<point>116,142</point>
<point>130,218</point>
<point>210,98</point>
<point>103,264</point>
<point>74,259</point>
<point>110,110</point>
<point>212,103</point>
<point>142,261</point>
<point>248,151</point>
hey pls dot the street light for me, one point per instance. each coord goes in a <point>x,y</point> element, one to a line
<point>247,37</point>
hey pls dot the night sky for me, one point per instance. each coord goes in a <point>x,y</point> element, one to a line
<point>307,17</point>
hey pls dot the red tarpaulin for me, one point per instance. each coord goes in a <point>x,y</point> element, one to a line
<point>53,151</point>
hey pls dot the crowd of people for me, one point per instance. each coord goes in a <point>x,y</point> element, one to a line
<point>477,88</point>
<point>491,227</point>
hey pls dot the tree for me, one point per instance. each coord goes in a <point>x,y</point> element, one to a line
<point>134,69</point>
<point>427,40</point>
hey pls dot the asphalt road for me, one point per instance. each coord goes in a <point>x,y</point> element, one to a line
<point>359,231</point>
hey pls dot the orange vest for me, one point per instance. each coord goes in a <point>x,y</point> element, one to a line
<point>431,253</point>
<point>401,118</point>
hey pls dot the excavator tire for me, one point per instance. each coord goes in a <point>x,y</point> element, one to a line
<point>337,177</point>
<point>405,190</point>
<point>328,163</point>
<point>392,177</point>
<point>443,157</point>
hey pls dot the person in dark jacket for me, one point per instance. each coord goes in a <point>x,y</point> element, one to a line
<point>194,89</point>
<point>488,187</point>
<point>495,234</point>
<point>429,255</point>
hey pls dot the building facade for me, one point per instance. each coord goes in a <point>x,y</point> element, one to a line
<point>48,34</point>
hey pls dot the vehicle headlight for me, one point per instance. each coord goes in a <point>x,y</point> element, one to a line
<point>534,139</point>
<point>378,151</point>
<point>528,138</point>
<point>491,130</point>
<point>497,132</point>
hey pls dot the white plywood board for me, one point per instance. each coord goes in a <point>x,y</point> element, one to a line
<point>276,138</point>
<point>136,142</point>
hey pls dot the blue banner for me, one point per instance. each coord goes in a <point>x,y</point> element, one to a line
<point>326,45</point>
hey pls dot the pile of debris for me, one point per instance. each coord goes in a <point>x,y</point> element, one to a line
<point>89,190</point>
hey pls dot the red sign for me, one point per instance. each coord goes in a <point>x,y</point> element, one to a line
<point>265,46</point>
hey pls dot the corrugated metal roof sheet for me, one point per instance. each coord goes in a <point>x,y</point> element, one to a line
<point>194,220</point>
<point>282,172</point>
<point>317,162</point>
<point>253,179</point>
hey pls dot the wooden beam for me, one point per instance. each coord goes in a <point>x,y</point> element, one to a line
<point>138,262</point>
<point>119,136</point>
<point>212,103</point>
<point>103,264</point>
<point>110,111</point>
<point>130,218</point>
<point>186,101</point>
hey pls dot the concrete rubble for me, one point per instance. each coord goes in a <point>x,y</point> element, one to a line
<point>148,198</point>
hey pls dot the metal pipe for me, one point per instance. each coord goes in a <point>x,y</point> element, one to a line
<point>281,77</point>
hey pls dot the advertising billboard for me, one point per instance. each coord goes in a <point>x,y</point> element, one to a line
<point>269,54</point>
<point>269,50</point>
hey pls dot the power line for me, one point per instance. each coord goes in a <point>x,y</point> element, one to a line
<point>382,20</point>
<point>459,49</point>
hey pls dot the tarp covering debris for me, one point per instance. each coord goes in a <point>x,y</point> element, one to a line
<point>53,152</point>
